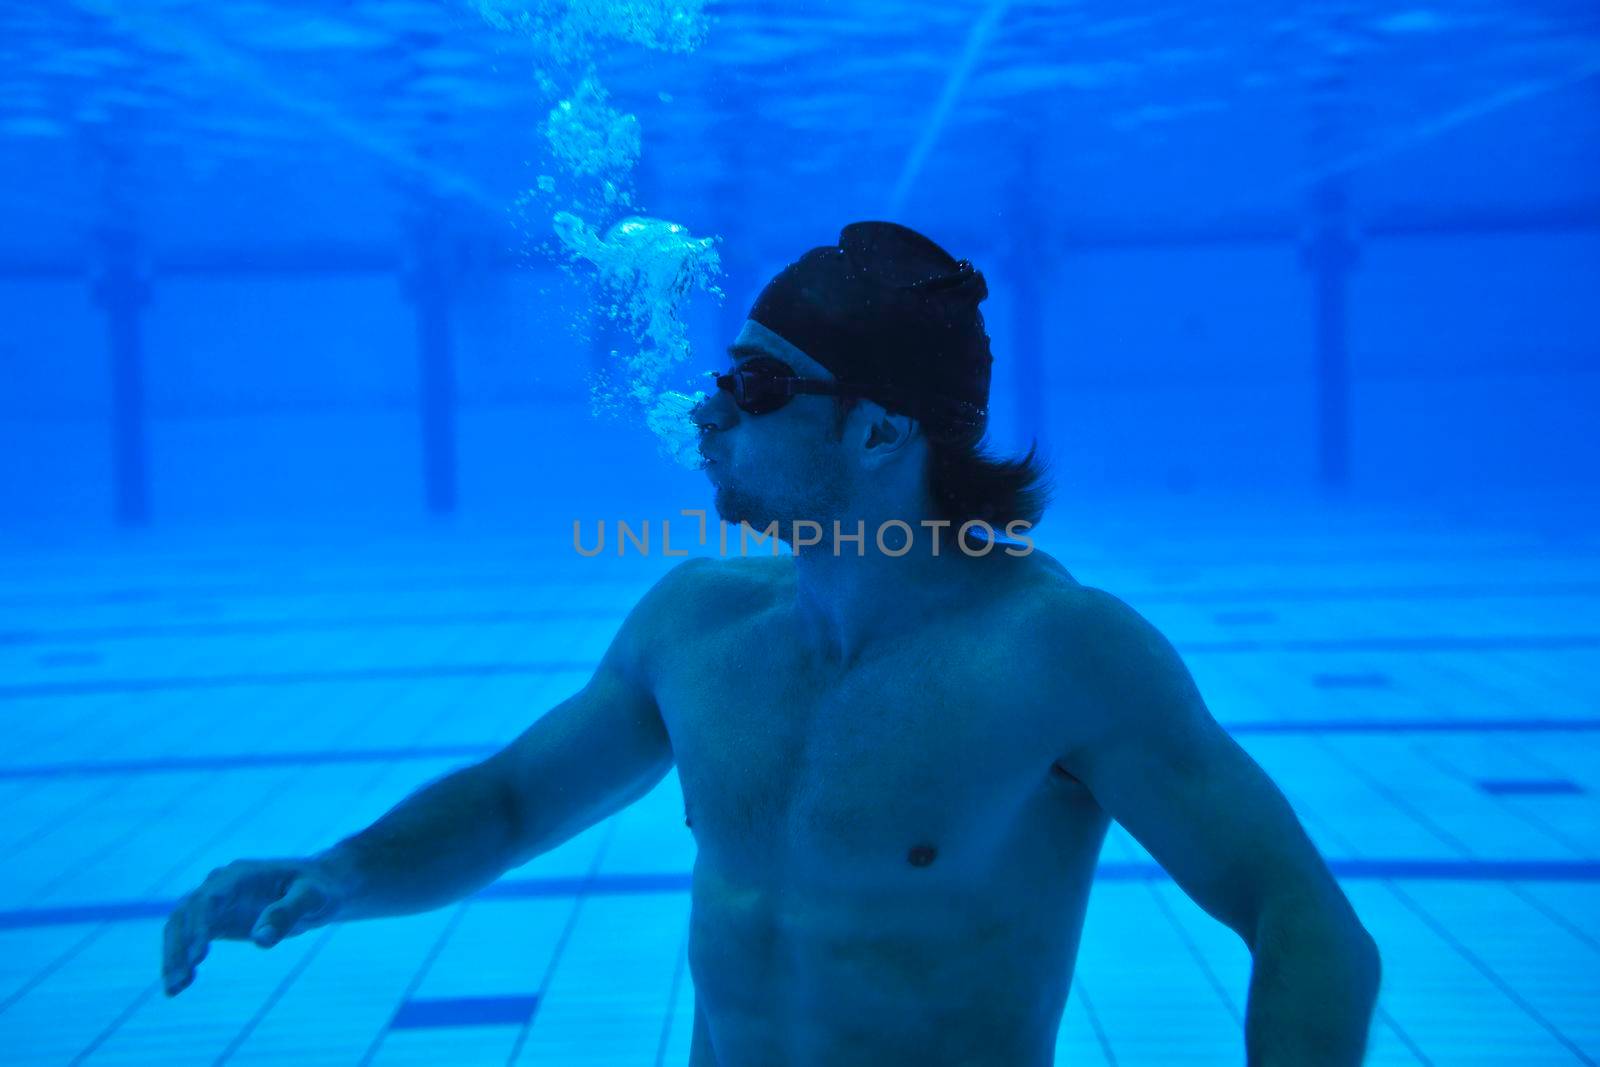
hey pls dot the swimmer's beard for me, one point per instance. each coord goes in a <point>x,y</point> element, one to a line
<point>731,506</point>
<point>735,508</point>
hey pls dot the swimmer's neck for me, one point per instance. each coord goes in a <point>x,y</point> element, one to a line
<point>847,604</point>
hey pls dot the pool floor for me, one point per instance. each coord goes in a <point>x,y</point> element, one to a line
<point>1420,679</point>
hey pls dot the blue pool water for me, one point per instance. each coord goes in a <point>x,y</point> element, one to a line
<point>324,325</point>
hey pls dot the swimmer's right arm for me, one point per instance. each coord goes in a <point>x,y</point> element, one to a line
<point>587,758</point>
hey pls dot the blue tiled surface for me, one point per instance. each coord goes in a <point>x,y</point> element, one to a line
<point>162,765</point>
<point>1421,688</point>
<point>1532,786</point>
<point>436,1012</point>
<point>1369,680</point>
<point>1245,618</point>
<point>510,888</point>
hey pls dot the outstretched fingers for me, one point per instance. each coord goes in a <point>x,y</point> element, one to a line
<point>300,907</point>
<point>185,942</point>
<point>226,905</point>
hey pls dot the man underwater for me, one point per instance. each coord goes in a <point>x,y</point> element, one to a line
<point>899,766</point>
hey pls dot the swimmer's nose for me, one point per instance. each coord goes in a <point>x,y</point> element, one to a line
<point>713,412</point>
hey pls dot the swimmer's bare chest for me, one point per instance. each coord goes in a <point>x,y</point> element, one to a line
<point>891,865</point>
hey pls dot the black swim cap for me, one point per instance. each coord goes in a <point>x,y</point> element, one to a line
<point>889,311</point>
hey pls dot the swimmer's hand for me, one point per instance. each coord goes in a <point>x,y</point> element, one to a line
<point>263,901</point>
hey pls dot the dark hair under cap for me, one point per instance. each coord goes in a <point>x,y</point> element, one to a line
<point>891,312</point>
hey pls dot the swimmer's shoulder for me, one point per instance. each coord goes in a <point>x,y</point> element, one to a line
<point>1049,571</point>
<point>700,605</point>
<point>1036,576</point>
<point>704,592</point>
<point>734,582</point>
<point>1084,628</point>
<point>1048,604</point>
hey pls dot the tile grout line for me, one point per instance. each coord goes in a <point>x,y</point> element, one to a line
<point>561,942</point>
<point>1488,972</point>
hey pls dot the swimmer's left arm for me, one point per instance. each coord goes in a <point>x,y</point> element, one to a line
<point>1149,750</point>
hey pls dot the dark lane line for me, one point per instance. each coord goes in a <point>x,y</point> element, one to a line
<point>396,754</point>
<point>671,882</point>
<point>102,686</point>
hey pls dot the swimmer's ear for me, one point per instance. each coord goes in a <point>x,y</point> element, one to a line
<point>885,435</point>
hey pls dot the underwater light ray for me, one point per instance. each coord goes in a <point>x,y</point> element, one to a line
<point>228,64</point>
<point>1445,122</point>
<point>977,38</point>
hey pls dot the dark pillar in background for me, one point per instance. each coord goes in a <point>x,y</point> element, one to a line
<point>1027,261</point>
<point>1330,256</point>
<point>430,279</point>
<point>1329,249</point>
<point>122,291</point>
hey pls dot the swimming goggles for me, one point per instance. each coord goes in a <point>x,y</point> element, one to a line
<point>763,384</point>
